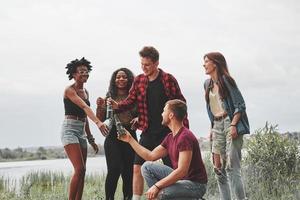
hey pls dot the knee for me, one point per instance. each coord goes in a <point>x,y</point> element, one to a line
<point>233,163</point>
<point>164,194</point>
<point>114,169</point>
<point>113,172</point>
<point>217,163</point>
<point>233,172</point>
<point>80,171</point>
<point>145,168</point>
<point>161,195</point>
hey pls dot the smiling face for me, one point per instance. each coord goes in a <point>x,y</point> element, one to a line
<point>209,66</point>
<point>121,80</point>
<point>148,66</point>
<point>81,74</point>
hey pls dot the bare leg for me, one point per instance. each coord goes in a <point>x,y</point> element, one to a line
<point>221,176</point>
<point>81,183</point>
<point>76,157</point>
<point>138,180</point>
<point>217,160</point>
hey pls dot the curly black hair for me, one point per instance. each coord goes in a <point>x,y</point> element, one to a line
<point>72,66</point>
<point>112,89</point>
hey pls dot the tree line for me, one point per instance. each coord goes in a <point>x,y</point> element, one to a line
<point>40,153</point>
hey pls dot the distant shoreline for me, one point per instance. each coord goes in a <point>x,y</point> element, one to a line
<point>28,159</point>
<point>39,153</point>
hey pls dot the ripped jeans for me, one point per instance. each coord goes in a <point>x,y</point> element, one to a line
<point>229,175</point>
<point>181,190</point>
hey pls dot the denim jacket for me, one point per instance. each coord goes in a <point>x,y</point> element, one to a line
<point>233,104</point>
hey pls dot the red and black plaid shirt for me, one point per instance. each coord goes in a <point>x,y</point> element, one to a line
<point>137,94</point>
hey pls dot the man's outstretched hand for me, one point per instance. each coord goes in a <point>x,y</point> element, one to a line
<point>125,137</point>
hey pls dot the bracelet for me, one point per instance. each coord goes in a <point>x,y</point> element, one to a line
<point>157,186</point>
<point>233,125</point>
<point>90,139</point>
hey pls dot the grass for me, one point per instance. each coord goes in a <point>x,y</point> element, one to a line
<point>275,185</point>
<point>52,185</point>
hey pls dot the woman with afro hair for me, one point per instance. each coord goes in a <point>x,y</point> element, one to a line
<point>75,128</point>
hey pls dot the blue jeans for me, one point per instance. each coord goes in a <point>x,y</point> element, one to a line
<point>182,189</point>
<point>229,175</point>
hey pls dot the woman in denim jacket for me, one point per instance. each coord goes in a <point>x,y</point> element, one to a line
<point>229,122</point>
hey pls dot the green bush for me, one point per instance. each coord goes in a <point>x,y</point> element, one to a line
<point>272,165</point>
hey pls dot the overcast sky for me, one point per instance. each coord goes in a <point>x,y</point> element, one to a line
<point>260,40</point>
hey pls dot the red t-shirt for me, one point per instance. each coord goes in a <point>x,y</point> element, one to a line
<point>183,141</point>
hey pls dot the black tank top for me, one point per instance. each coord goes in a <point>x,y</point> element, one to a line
<point>72,109</point>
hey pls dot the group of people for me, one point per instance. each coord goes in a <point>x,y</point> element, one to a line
<point>153,103</point>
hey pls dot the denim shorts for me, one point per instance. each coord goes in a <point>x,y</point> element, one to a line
<point>73,132</point>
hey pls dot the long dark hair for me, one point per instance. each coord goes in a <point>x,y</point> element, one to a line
<point>222,73</point>
<point>112,89</point>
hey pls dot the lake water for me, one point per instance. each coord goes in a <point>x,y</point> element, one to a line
<point>15,170</point>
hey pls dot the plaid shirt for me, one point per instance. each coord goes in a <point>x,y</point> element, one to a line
<point>137,94</point>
